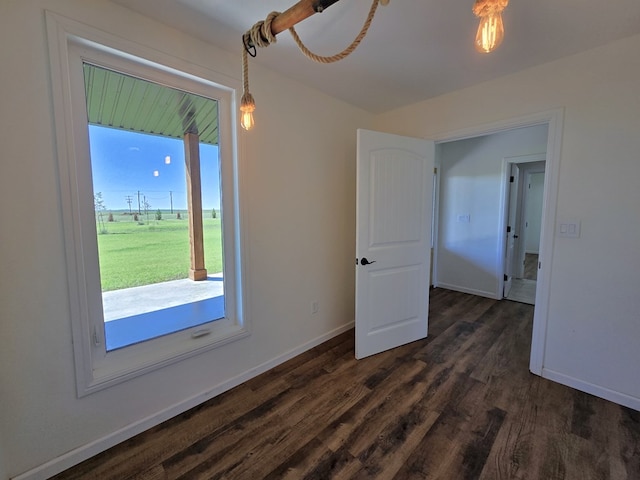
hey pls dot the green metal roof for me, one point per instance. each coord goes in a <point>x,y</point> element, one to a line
<point>128,103</point>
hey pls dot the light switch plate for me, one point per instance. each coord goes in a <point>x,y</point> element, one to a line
<point>569,228</point>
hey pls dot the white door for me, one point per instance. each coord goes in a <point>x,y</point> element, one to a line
<point>393,225</point>
<point>511,233</point>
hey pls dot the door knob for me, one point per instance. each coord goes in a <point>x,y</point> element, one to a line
<point>364,261</point>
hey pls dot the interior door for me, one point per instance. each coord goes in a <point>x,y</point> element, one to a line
<point>512,230</point>
<point>393,225</point>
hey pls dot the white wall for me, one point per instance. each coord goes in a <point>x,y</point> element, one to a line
<point>299,184</point>
<point>469,259</point>
<point>593,320</point>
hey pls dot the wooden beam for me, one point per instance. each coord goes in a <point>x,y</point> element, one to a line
<point>197,271</point>
<point>300,11</point>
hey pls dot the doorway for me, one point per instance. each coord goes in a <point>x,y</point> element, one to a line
<point>553,119</point>
<point>524,192</point>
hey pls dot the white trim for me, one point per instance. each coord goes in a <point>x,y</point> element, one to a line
<point>597,390</point>
<point>80,454</point>
<point>60,27</point>
<point>71,43</point>
<point>554,119</point>
<point>547,231</point>
<point>436,218</point>
<point>472,291</point>
<point>500,126</point>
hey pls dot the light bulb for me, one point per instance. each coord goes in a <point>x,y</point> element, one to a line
<point>247,120</point>
<point>490,33</point>
<point>247,107</point>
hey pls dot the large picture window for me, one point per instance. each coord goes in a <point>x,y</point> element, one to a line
<point>148,169</point>
<point>156,193</point>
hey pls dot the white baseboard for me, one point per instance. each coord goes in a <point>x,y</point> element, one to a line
<point>87,451</point>
<point>597,390</point>
<point>472,291</point>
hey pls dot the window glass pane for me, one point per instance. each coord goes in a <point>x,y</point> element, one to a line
<point>144,206</point>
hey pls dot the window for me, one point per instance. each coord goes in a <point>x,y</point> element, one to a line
<point>148,173</point>
<point>157,210</point>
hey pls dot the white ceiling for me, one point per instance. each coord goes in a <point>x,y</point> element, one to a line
<point>415,49</point>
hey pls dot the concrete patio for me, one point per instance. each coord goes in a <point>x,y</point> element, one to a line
<point>150,298</point>
<point>137,314</point>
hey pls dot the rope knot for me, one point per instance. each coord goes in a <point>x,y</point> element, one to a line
<point>260,34</point>
<point>484,8</point>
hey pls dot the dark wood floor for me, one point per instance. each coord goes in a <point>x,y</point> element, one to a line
<point>458,405</point>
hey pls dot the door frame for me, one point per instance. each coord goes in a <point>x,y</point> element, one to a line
<point>504,208</point>
<point>509,201</point>
<point>554,119</point>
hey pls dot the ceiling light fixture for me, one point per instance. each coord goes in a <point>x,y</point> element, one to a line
<point>263,34</point>
<point>491,29</point>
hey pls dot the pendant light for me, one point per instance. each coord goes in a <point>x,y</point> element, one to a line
<point>263,33</point>
<point>491,29</point>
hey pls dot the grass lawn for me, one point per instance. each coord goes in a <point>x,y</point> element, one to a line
<point>157,251</point>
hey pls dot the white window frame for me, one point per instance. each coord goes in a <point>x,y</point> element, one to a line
<point>72,43</point>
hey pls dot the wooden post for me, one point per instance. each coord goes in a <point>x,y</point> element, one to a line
<point>194,203</point>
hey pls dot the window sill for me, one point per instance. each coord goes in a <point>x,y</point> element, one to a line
<point>123,364</point>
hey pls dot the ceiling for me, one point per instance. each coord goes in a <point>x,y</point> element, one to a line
<point>415,49</point>
<point>116,100</point>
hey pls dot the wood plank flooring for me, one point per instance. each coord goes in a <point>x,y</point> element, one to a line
<point>460,404</point>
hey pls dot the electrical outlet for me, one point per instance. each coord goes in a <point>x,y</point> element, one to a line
<point>314,307</point>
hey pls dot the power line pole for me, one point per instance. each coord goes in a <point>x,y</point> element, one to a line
<point>171,199</point>
<point>139,211</point>
<point>129,200</point>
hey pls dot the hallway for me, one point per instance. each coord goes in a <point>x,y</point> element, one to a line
<point>523,290</point>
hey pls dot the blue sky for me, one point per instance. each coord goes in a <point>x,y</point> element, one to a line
<point>124,163</point>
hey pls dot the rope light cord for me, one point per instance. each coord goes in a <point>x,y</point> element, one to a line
<point>247,103</point>
<point>347,51</point>
<point>260,36</point>
<point>483,8</point>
